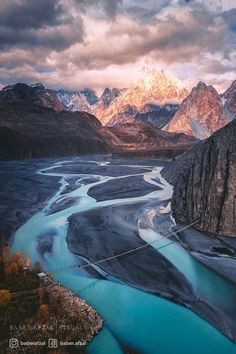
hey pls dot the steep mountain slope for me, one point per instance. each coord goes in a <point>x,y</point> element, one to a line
<point>36,94</point>
<point>155,87</point>
<point>28,130</point>
<point>204,181</point>
<point>78,100</point>
<point>200,114</point>
<point>229,100</point>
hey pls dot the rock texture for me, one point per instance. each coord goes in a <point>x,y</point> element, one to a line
<point>204,181</point>
<point>200,114</point>
<point>36,94</point>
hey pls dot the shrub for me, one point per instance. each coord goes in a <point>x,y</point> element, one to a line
<point>5,298</point>
<point>43,311</point>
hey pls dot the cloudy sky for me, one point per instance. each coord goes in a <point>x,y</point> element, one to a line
<point>97,43</point>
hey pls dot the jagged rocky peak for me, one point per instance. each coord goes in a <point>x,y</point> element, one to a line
<point>83,100</point>
<point>90,95</point>
<point>108,95</point>
<point>156,86</point>
<point>204,181</point>
<point>200,114</point>
<point>153,87</point>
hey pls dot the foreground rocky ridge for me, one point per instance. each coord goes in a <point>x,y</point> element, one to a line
<point>28,130</point>
<point>204,181</point>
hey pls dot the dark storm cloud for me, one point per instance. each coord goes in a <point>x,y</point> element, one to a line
<point>32,23</point>
<point>109,7</point>
<point>24,14</point>
<point>57,38</point>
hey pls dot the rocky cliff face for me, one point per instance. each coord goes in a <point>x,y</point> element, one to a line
<point>200,114</point>
<point>204,181</point>
<point>36,94</point>
<point>229,100</point>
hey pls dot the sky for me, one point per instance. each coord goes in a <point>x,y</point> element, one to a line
<point>73,44</point>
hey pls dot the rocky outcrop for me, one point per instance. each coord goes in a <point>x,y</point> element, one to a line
<point>36,94</point>
<point>204,181</point>
<point>200,114</point>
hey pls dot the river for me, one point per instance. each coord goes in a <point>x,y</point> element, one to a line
<point>133,319</point>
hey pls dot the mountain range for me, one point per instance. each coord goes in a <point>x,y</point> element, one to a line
<point>159,100</point>
<point>156,99</point>
<point>154,113</point>
<point>29,130</point>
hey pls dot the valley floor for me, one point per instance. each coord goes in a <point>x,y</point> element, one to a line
<point>69,212</point>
